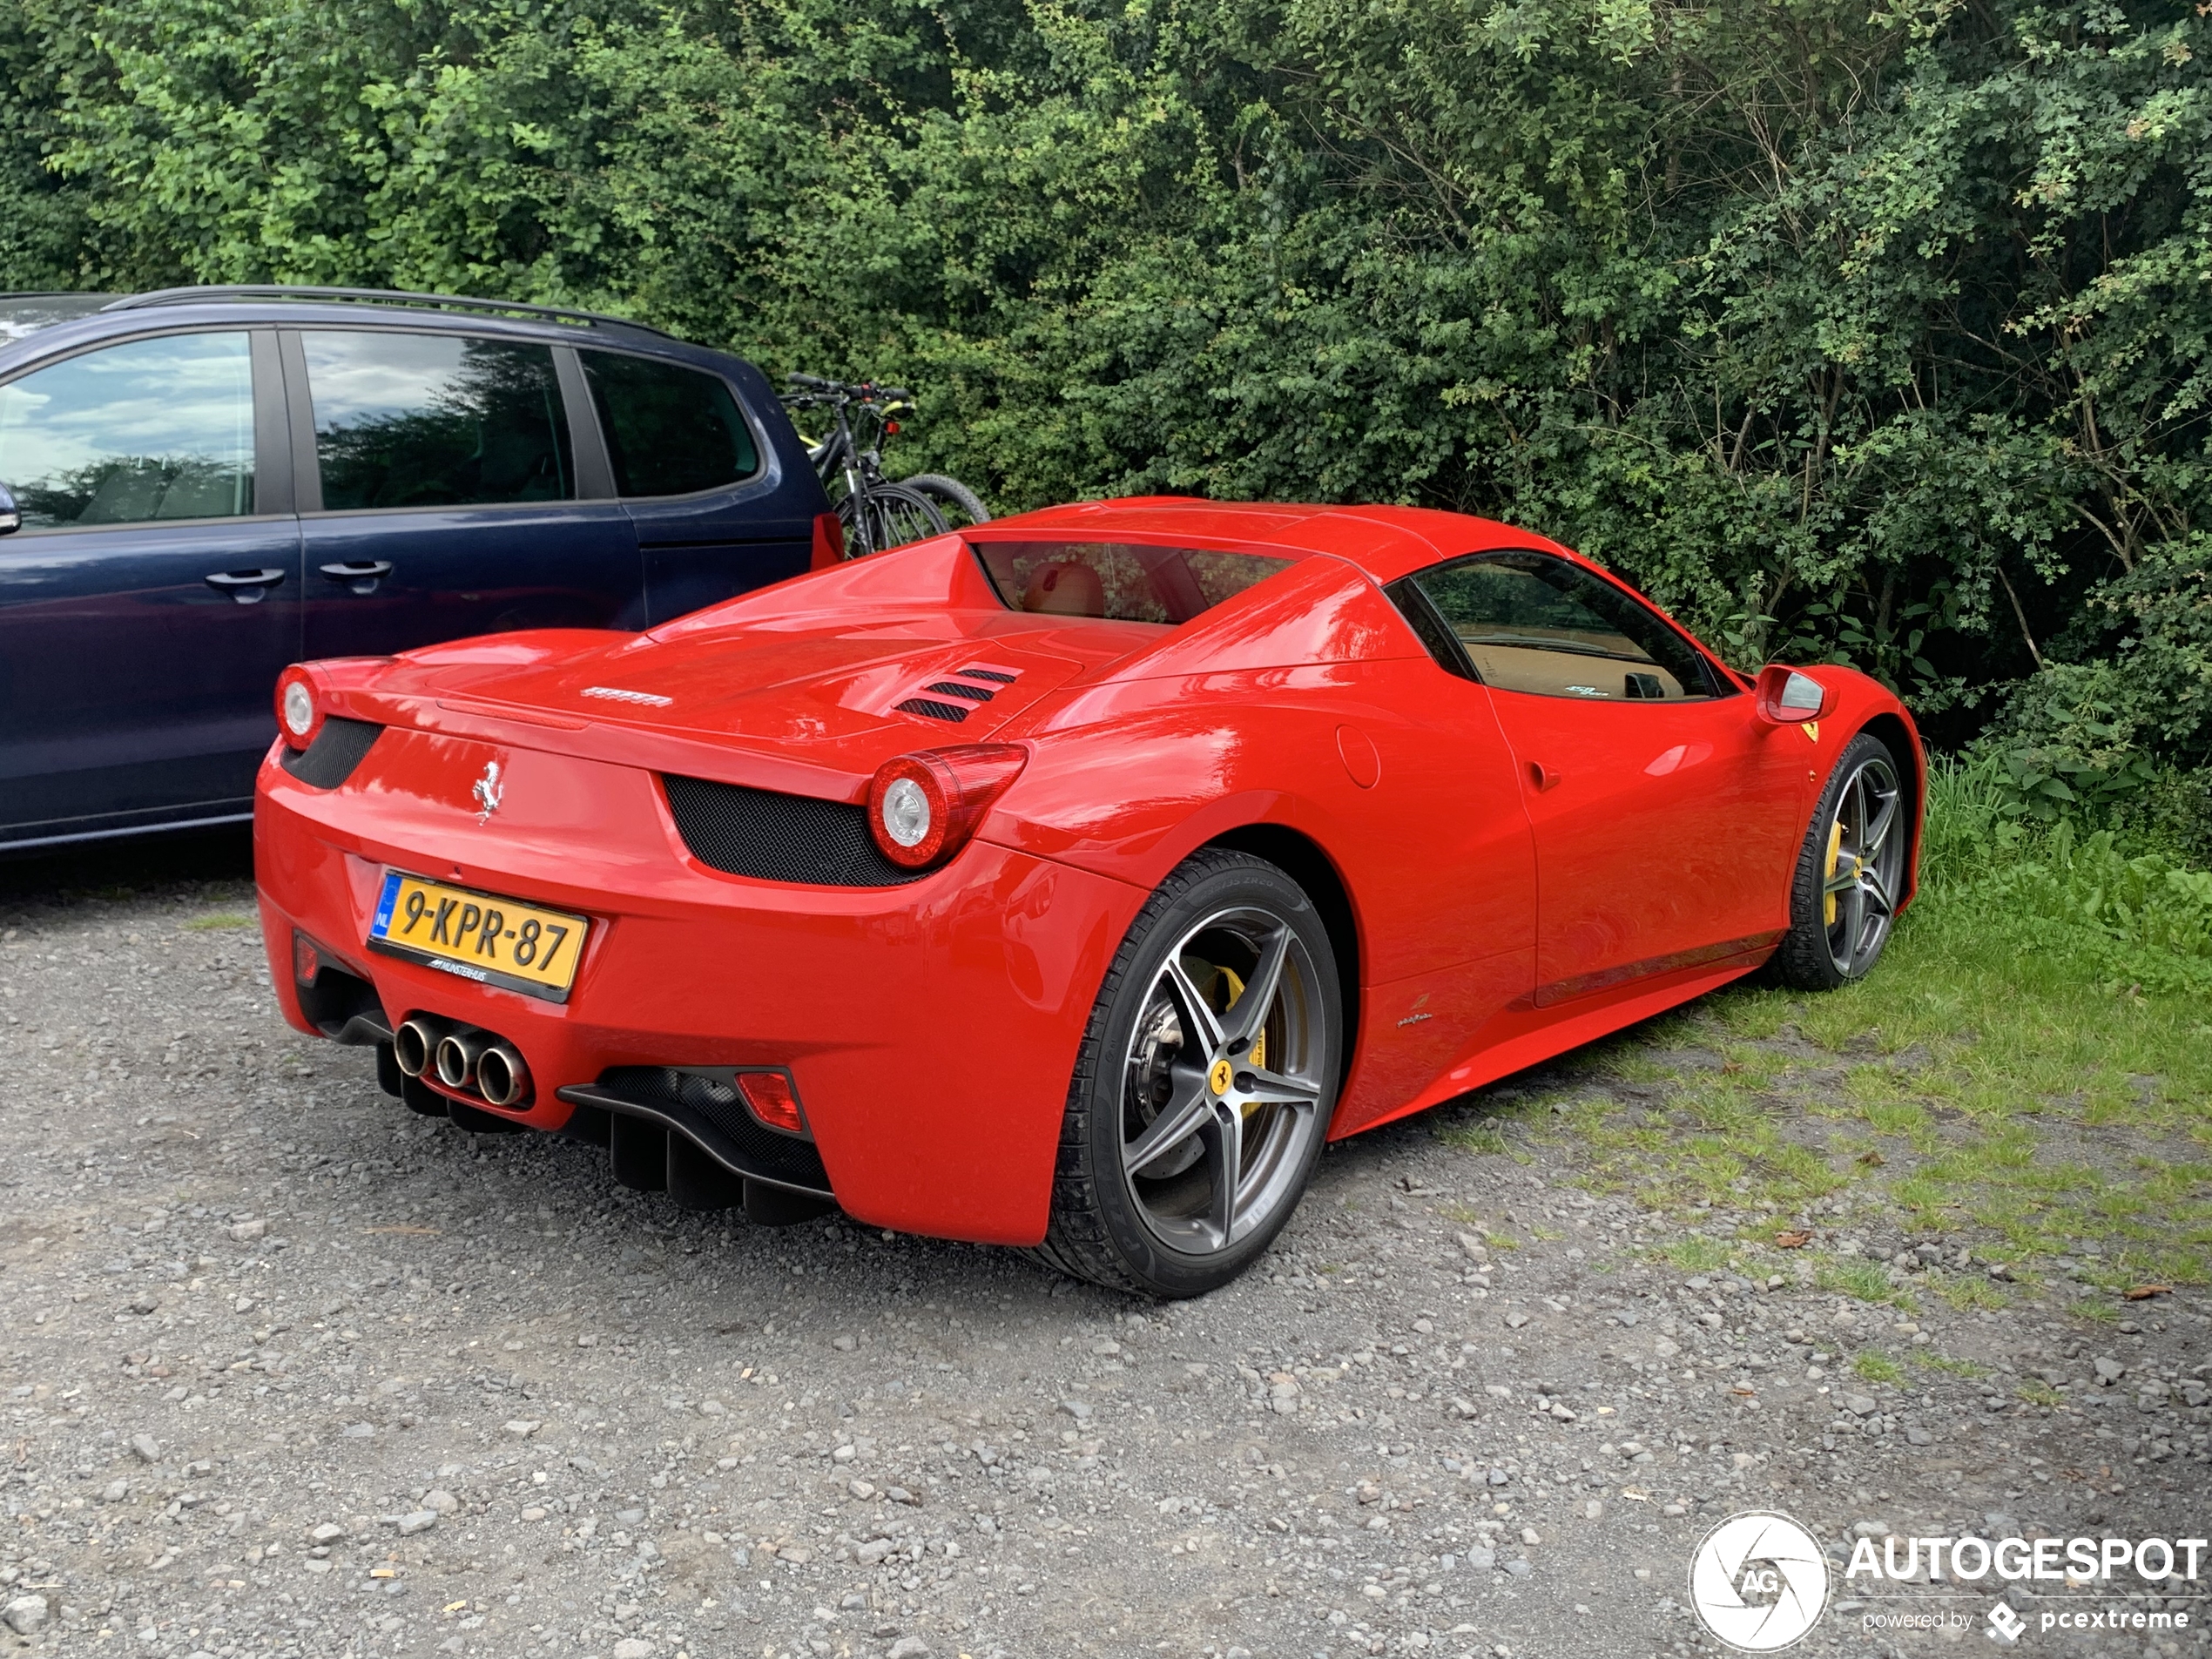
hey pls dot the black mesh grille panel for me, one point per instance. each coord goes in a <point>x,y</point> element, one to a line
<point>931,707</point>
<point>953,688</point>
<point>713,1106</point>
<point>773,837</point>
<point>997,674</point>
<point>338,748</point>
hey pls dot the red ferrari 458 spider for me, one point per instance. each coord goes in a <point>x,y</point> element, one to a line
<point>1065,882</point>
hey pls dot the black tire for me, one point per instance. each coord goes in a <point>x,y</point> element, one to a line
<point>955,503</point>
<point>1865,799</point>
<point>886,516</point>
<point>1158,1228</point>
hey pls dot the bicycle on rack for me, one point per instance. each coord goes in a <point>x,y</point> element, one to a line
<point>877,512</point>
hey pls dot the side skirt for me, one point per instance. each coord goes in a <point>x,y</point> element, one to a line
<point>1503,1050</point>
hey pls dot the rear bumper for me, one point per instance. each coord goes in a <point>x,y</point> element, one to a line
<point>930,1029</point>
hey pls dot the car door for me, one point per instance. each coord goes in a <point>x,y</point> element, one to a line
<point>449,493</point>
<point>1665,812</point>
<point>714,516</point>
<point>152,596</point>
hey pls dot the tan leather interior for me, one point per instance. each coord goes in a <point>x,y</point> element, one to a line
<point>1561,673</point>
<point>1065,588</point>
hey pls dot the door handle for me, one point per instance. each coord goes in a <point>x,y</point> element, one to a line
<point>360,576</point>
<point>248,587</point>
<point>1542,777</point>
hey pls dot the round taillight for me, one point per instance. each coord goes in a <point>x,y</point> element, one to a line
<point>923,807</point>
<point>299,710</point>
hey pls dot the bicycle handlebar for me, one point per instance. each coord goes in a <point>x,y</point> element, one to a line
<point>863,392</point>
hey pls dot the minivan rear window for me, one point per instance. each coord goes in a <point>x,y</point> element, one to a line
<point>670,430</point>
<point>1119,581</point>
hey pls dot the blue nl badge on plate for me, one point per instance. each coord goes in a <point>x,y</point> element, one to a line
<point>381,923</point>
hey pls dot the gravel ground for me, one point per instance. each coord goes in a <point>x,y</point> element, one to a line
<point>289,1370</point>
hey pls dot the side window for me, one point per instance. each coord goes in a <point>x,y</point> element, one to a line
<point>671,430</point>
<point>136,434</point>
<point>1532,623</point>
<point>406,420</point>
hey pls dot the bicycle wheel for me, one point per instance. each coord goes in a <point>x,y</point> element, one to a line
<point>886,516</point>
<point>955,503</point>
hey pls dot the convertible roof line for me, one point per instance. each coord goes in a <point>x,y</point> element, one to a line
<point>375,296</point>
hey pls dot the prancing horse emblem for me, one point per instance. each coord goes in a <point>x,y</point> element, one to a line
<point>487,792</point>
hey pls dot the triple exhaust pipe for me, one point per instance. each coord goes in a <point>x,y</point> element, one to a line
<point>463,1058</point>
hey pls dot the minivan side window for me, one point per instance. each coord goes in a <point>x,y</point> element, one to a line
<point>147,431</point>
<point>412,419</point>
<point>1530,622</point>
<point>670,430</point>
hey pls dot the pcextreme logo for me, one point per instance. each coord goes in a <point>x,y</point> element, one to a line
<point>1758,1581</point>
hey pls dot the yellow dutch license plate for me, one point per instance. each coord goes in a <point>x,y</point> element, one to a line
<point>479,935</point>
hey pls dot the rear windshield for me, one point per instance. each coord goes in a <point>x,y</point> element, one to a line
<point>1119,581</point>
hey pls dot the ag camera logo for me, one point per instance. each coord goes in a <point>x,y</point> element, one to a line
<point>1759,1581</point>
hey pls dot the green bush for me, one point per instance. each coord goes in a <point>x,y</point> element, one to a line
<point>2142,921</point>
<point>2126,911</point>
<point>1867,333</point>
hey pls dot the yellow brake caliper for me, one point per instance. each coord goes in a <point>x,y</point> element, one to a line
<point>1225,989</point>
<point>1828,875</point>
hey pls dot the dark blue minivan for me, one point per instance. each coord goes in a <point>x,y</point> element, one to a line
<point>210,484</point>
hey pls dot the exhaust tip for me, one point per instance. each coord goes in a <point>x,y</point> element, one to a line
<point>501,1077</point>
<point>457,1055</point>
<point>414,1044</point>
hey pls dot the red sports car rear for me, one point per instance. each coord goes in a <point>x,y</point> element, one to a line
<point>1066,882</point>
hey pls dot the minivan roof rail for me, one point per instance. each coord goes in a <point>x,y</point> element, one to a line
<point>371,296</point>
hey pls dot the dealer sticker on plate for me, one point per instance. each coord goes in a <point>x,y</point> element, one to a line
<point>479,935</point>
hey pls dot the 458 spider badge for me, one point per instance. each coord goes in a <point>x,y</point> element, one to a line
<point>489,791</point>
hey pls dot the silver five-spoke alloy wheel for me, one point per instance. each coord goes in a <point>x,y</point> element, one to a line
<point>1221,1091</point>
<point>1862,873</point>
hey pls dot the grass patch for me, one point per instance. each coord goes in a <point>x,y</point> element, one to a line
<point>1483,1138</point>
<point>2028,1072</point>
<point>1695,1254</point>
<point>1863,1281</point>
<point>2038,1392</point>
<point>221,921</point>
<point>1970,1295</point>
<point>1877,1368</point>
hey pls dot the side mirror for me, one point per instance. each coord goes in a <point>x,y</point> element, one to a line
<point>1787,697</point>
<point>10,517</point>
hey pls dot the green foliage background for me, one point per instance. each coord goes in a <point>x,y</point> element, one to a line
<point>1878,330</point>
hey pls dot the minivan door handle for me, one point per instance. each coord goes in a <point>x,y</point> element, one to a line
<point>360,576</point>
<point>248,587</point>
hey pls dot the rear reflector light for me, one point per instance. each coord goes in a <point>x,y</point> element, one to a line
<point>306,959</point>
<point>770,1098</point>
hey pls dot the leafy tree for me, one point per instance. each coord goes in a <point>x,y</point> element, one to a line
<point>1877,334</point>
